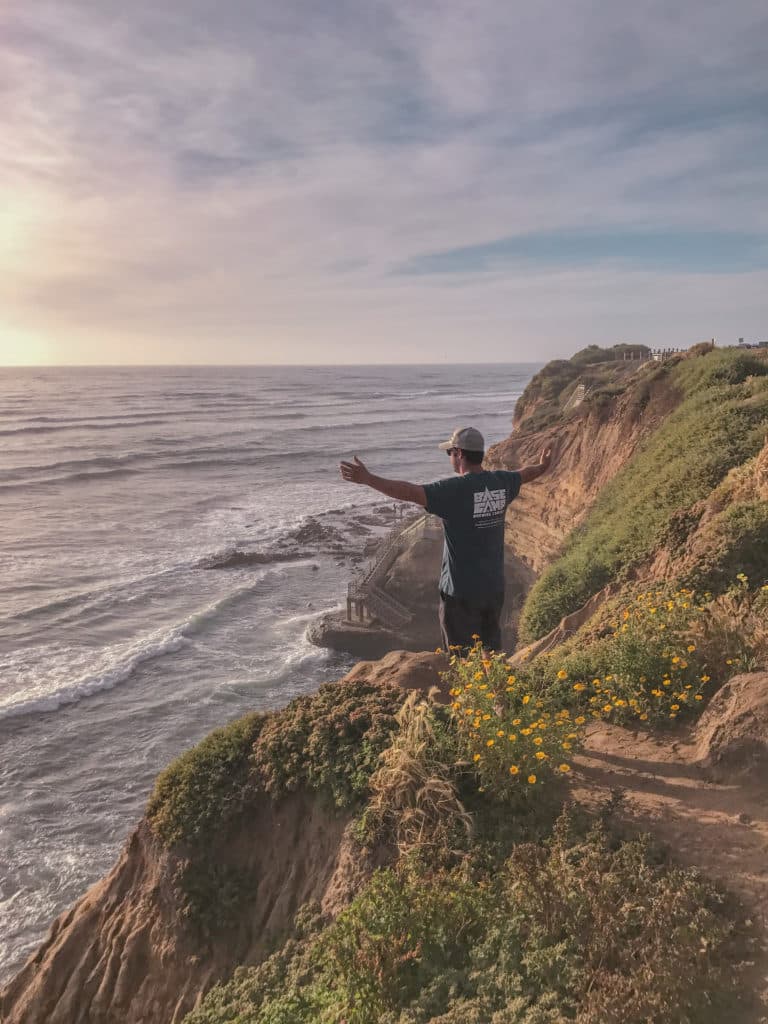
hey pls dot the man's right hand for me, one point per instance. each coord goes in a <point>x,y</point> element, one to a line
<point>355,471</point>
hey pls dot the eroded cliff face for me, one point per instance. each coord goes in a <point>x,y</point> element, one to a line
<point>589,447</point>
<point>127,953</point>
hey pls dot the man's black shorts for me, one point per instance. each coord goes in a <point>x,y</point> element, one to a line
<point>460,620</point>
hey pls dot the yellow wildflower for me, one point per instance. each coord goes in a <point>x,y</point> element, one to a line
<point>531,779</point>
<point>476,757</point>
<point>540,755</point>
<point>513,769</point>
<point>562,674</point>
<point>564,768</point>
<point>489,743</point>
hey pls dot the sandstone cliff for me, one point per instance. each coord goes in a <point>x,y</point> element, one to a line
<point>128,951</point>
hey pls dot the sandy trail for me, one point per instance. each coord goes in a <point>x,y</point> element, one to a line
<point>720,828</point>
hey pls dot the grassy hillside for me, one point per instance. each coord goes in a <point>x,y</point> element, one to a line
<point>601,370</point>
<point>719,425</point>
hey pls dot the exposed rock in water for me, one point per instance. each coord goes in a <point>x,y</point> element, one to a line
<point>365,640</point>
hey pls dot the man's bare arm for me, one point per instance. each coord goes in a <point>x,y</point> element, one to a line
<point>528,473</point>
<point>355,472</point>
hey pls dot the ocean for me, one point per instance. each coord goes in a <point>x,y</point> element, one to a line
<point>166,537</point>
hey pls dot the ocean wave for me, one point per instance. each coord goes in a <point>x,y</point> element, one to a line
<point>39,699</point>
<point>122,661</point>
<point>83,425</point>
<point>67,478</point>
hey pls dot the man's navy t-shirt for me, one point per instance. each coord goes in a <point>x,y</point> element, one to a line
<point>472,508</point>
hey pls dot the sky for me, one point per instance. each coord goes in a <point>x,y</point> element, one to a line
<point>404,181</point>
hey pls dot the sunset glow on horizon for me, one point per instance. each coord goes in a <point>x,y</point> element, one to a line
<point>389,183</point>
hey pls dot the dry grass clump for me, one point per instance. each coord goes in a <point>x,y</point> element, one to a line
<point>734,630</point>
<point>413,798</point>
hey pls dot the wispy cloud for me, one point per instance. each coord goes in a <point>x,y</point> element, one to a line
<point>380,180</point>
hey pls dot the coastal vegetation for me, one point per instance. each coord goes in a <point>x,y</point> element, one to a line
<point>560,918</point>
<point>601,370</point>
<point>718,426</point>
<point>498,899</point>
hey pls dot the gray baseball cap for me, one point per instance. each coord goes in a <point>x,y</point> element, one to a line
<point>468,438</point>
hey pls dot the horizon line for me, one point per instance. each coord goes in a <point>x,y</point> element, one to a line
<point>240,366</point>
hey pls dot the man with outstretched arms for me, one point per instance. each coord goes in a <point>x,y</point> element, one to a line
<point>472,505</point>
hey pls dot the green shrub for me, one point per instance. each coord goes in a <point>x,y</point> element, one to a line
<point>206,786</point>
<point>577,929</point>
<point>739,543</point>
<point>648,668</point>
<point>329,741</point>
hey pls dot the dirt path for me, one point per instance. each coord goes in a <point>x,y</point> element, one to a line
<point>719,827</point>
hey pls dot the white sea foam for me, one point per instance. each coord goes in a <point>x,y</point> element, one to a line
<point>62,675</point>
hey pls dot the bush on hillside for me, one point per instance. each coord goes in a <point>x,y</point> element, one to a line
<point>205,787</point>
<point>415,803</point>
<point>329,741</point>
<point>738,542</point>
<point>733,634</point>
<point>646,669</point>
<point>578,929</point>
